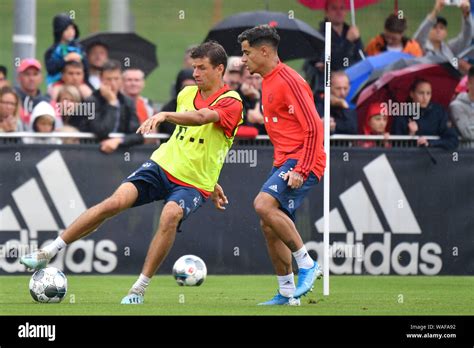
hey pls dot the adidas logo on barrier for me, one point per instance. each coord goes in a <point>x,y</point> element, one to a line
<point>363,217</point>
<point>40,208</point>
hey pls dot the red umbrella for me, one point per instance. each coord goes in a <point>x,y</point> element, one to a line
<point>462,86</point>
<point>320,4</point>
<point>352,4</point>
<point>395,86</point>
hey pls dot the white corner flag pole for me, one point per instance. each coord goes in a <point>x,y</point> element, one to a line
<point>327,98</point>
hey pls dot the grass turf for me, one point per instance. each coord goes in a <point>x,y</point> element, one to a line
<point>238,295</point>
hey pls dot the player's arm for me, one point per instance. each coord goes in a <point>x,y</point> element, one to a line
<point>187,118</point>
<point>307,116</point>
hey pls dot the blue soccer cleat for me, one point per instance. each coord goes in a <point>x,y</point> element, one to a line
<point>306,279</point>
<point>37,260</point>
<point>133,298</point>
<point>280,300</point>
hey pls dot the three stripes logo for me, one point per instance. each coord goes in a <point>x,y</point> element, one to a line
<point>397,220</point>
<point>47,204</point>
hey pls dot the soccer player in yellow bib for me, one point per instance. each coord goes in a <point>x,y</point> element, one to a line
<point>183,171</point>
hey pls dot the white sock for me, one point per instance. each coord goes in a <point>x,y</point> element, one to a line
<point>287,285</point>
<point>303,259</point>
<point>53,248</point>
<point>141,284</point>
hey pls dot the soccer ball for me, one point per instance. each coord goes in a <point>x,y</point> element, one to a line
<point>189,270</point>
<point>48,285</point>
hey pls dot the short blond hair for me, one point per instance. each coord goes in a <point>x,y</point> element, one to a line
<point>73,91</point>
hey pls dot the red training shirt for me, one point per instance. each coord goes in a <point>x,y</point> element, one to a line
<point>292,122</point>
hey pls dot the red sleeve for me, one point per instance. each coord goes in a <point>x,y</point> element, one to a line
<point>301,103</point>
<point>230,114</point>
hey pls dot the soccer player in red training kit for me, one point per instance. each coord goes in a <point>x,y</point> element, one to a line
<point>296,131</point>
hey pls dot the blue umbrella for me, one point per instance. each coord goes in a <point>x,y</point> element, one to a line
<point>360,72</point>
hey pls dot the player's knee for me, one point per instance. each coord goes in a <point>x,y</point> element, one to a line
<point>111,206</point>
<point>171,215</point>
<point>262,206</point>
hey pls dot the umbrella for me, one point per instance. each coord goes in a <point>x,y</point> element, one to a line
<point>397,65</point>
<point>128,48</point>
<point>352,4</point>
<point>298,39</point>
<point>360,72</point>
<point>462,86</point>
<point>395,86</point>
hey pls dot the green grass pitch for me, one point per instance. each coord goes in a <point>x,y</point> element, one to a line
<point>238,295</point>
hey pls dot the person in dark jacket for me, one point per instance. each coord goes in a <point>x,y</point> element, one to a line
<point>343,119</point>
<point>29,81</point>
<point>65,48</point>
<point>114,112</point>
<point>183,79</point>
<point>432,119</point>
<point>346,45</point>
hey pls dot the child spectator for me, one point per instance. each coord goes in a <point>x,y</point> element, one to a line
<point>432,119</point>
<point>375,124</point>
<point>392,39</point>
<point>64,49</point>
<point>42,121</point>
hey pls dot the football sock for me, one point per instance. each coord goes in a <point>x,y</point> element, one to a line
<point>141,284</point>
<point>53,248</point>
<point>303,259</point>
<point>287,285</point>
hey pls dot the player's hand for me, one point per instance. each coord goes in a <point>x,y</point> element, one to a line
<point>219,198</point>
<point>110,145</point>
<point>151,124</point>
<point>295,180</point>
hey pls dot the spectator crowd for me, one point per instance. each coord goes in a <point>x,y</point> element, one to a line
<point>89,92</point>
